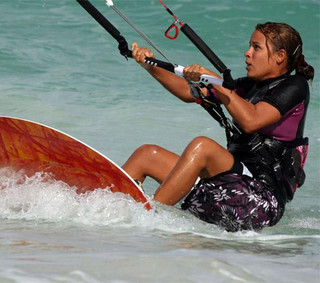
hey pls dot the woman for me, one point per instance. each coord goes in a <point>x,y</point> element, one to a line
<point>247,185</point>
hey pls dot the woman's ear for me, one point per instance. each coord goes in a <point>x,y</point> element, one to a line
<point>281,56</point>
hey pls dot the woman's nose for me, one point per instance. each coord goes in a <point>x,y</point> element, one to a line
<point>247,53</point>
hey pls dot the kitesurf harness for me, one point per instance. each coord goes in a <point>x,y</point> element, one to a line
<point>276,163</point>
<point>279,165</point>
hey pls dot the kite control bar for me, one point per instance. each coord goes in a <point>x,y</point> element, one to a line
<point>124,50</point>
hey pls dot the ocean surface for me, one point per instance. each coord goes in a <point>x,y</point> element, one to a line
<point>60,68</point>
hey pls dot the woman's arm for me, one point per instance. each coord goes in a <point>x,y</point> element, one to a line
<point>250,117</point>
<point>176,85</point>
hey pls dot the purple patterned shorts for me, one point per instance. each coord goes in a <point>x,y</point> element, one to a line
<point>234,202</point>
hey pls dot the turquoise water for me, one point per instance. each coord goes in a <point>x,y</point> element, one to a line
<point>58,67</point>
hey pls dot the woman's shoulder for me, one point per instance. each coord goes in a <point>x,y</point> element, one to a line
<point>296,80</point>
<point>294,87</point>
<point>290,91</point>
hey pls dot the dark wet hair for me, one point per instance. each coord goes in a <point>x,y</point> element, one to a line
<point>283,36</point>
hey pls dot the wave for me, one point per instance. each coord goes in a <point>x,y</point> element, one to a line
<point>41,198</point>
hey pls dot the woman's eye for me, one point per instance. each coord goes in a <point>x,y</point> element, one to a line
<point>254,46</point>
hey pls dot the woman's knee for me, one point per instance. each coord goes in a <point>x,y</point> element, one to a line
<point>148,150</point>
<point>208,154</point>
<point>202,145</point>
<point>198,149</point>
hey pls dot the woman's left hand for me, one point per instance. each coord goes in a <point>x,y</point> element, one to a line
<point>193,72</point>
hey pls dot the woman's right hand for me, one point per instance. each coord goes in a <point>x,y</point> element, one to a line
<point>140,53</point>
<point>193,72</point>
<point>176,85</point>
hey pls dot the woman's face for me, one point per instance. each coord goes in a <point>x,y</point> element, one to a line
<point>261,64</point>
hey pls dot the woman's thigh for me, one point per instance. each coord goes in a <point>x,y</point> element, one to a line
<point>211,158</point>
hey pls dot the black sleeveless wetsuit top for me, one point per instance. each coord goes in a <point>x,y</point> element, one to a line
<point>290,95</point>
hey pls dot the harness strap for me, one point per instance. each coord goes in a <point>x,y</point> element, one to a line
<point>213,107</point>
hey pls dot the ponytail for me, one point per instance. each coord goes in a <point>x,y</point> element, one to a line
<point>304,69</point>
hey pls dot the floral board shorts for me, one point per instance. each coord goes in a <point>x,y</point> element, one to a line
<point>234,200</point>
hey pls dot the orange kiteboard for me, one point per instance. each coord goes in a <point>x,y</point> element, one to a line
<point>32,147</point>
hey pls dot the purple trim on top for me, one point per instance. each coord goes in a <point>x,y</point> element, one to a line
<point>286,129</point>
<point>303,150</point>
<point>216,96</point>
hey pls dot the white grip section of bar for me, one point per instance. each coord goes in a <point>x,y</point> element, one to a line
<point>206,79</point>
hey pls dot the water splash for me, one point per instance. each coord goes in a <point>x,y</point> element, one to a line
<point>41,198</point>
